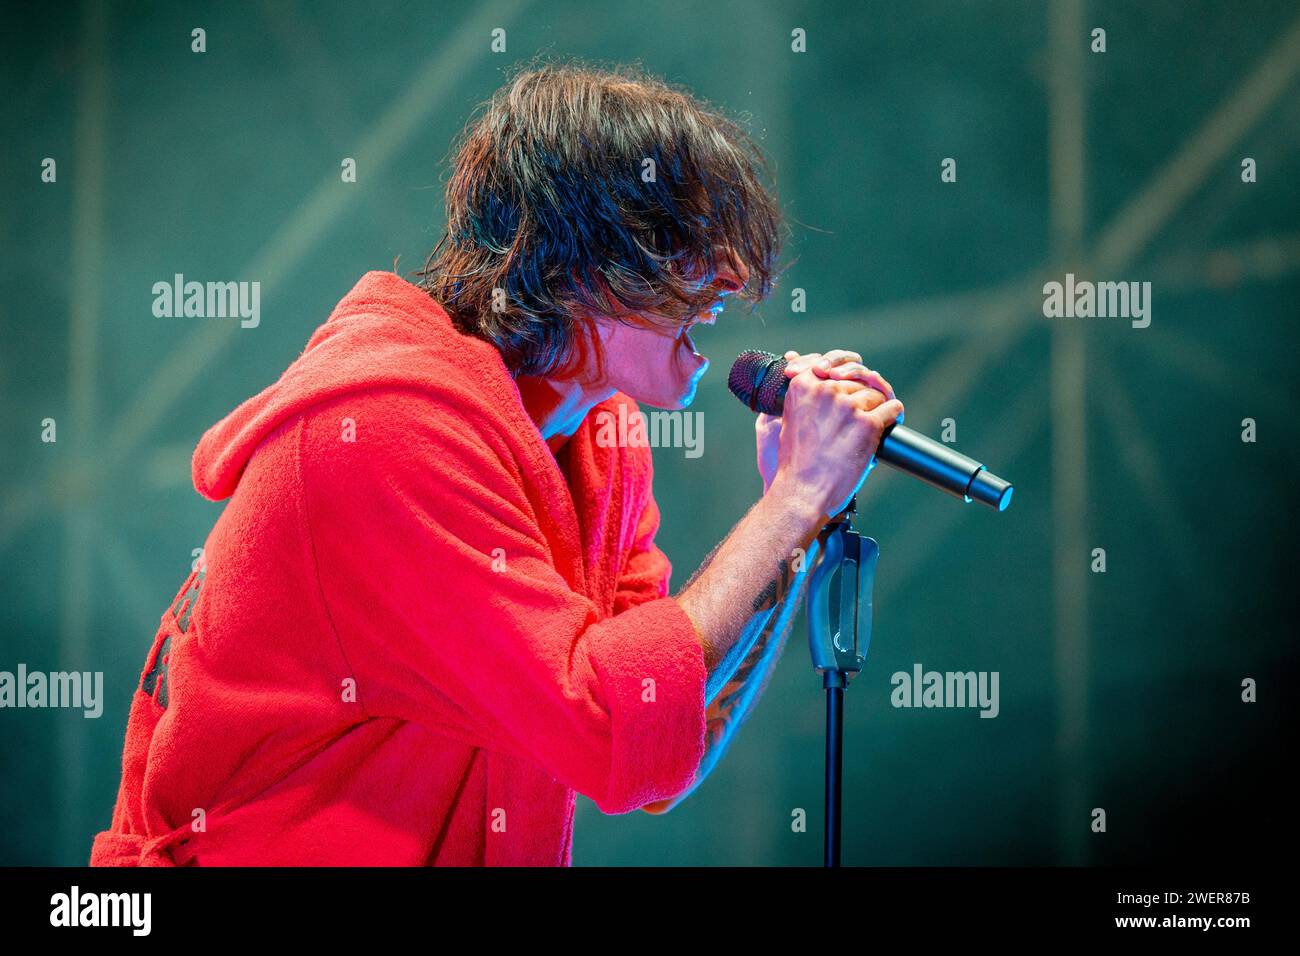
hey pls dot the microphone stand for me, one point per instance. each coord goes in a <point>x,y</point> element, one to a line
<point>839,633</point>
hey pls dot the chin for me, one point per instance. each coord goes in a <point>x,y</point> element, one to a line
<point>671,404</point>
<point>681,395</point>
<point>680,398</point>
<point>683,400</point>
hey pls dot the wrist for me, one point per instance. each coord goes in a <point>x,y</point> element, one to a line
<point>799,503</point>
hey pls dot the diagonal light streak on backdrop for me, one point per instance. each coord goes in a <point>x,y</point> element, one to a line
<point>131,585</point>
<point>1201,365</point>
<point>324,93</point>
<point>1133,228</point>
<point>287,247</point>
<point>291,243</point>
<point>927,526</point>
<point>975,312</point>
<point>902,325</point>
<point>1139,455</point>
<point>1261,259</point>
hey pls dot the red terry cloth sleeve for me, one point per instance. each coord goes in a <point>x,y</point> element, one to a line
<point>449,601</point>
<point>647,570</point>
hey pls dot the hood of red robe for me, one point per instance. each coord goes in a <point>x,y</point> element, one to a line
<point>384,333</point>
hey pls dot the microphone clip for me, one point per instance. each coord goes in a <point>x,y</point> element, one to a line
<point>840,599</point>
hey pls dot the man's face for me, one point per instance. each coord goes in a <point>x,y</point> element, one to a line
<point>661,366</point>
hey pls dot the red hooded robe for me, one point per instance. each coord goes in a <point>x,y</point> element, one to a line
<point>416,632</point>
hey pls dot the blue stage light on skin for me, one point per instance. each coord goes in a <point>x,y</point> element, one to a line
<point>695,382</point>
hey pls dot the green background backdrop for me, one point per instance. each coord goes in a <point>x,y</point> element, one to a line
<point>1118,690</point>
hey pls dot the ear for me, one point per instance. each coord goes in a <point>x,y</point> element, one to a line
<point>586,362</point>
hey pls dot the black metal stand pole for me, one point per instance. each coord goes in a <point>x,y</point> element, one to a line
<point>834,682</point>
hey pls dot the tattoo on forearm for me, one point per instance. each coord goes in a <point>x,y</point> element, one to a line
<point>771,594</point>
<point>724,711</point>
<point>724,715</point>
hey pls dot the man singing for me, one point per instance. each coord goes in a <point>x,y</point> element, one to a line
<point>433,609</point>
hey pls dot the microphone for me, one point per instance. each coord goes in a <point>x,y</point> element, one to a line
<point>758,379</point>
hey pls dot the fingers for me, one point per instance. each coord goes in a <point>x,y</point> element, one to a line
<point>885,415</point>
<point>864,396</point>
<point>821,364</point>
<point>835,357</point>
<point>808,381</point>
<point>857,372</point>
<point>868,389</point>
<point>840,364</point>
<point>796,363</point>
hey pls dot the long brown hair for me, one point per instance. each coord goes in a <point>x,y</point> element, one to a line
<point>580,189</point>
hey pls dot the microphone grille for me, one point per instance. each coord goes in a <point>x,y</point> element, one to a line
<point>756,379</point>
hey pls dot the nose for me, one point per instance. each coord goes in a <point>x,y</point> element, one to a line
<point>731,275</point>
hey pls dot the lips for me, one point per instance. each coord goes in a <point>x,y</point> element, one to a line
<point>687,344</point>
<point>704,318</point>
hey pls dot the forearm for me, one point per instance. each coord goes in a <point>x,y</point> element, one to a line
<point>740,586</point>
<point>764,636</point>
<point>761,640</point>
<point>736,699</point>
<point>749,663</point>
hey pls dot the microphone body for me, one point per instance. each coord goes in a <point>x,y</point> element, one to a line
<point>758,379</point>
